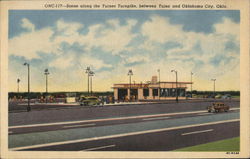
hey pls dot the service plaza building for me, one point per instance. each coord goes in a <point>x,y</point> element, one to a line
<point>152,90</point>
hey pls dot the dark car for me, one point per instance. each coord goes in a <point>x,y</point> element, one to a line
<point>218,107</point>
<point>89,101</point>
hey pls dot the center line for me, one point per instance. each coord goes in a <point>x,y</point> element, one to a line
<point>72,126</point>
<point>196,132</point>
<point>156,118</point>
<point>97,148</point>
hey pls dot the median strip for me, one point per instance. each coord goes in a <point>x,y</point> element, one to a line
<point>156,118</point>
<point>197,132</point>
<point>72,126</point>
<point>98,148</point>
<point>120,135</point>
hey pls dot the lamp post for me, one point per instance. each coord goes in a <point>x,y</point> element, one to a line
<point>159,72</point>
<point>18,81</point>
<point>28,66</point>
<point>91,73</point>
<point>214,86</point>
<point>176,75</point>
<point>130,73</point>
<point>46,73</point>
<point>87,72</point>
<point>191,85</point>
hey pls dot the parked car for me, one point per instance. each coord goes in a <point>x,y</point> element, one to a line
<point>226,96</point>
<point>218,107</point>
<point>218,96</point>
<point>89,101</point>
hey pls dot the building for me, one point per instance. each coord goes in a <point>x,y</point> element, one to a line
<point>150,90</point>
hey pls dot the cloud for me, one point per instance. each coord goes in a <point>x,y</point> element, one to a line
<point>26,24</point>
<point>157,44</point>
<point>94,63</point>
<point>160,30</point>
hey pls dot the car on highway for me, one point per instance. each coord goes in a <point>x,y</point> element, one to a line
<point>89,101</point>
<point>218,96</point>
<point>218,107</point>
<point>226,96</point>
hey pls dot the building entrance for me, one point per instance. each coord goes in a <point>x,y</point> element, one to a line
<point>134,94</point>
<point>122,93</point>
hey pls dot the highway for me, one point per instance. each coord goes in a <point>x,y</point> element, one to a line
<point>144,127</point>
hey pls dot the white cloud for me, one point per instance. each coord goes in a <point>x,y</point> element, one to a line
<point>29,44</point>
<point>95,63</point>
<point>27,24</point>
<point>63,62</point>
<point>160,30</point>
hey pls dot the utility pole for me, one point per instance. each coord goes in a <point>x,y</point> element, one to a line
<point>191,85</point>
<point>214,87</point>
<point>87,72</point>
<point>46,72</point>
<point>176,75</point>
<point>159,92</point>
<point>28,65</point>
<point>130,73</point>
<point>18,81</point>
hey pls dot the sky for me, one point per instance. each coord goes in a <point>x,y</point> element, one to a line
<point>111,42</point>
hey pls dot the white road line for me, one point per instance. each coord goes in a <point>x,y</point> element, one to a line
<point>156,118</point>
<point>98,148</point>
<point>120,135</point>
<point>197,132</point>
<point>108,119</point>
<point>204,113</point>
<point>72,126</point>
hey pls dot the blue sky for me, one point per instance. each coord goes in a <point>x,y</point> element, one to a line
<point>111,42</point>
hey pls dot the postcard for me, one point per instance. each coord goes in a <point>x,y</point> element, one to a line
<point>125,79</point>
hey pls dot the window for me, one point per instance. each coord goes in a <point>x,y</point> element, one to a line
<point>155,92</point>
<point>145,92</point>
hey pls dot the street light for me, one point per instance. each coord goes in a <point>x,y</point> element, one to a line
<point>176,84</point>
<point>28,66</point>
<point>130,73</point>
<point>91,73</point>
<point>87,72</point>
<point>18,81</point>
<point>159,71</point>
<point>46,72</point>
<point>191,85</point>
<point>214,85</point>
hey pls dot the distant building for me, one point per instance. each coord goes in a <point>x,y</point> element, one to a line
<point>150,90</point>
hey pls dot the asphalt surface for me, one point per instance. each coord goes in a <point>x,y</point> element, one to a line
<point>159,141</point>
<point>139,127</point>
<point>75,113</point>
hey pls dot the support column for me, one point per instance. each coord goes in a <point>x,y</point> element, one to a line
<point>128,94</point>
<point>116,93</point>
<point>150,93</point>
<point>140,93</point>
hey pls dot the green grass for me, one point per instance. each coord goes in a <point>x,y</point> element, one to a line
<point>232,144</point>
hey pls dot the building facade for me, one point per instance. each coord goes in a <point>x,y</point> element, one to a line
<point>150,91</point>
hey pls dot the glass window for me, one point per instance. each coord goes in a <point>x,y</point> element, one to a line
<point>145,92</point>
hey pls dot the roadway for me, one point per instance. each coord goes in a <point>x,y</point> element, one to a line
<point>142,127</point>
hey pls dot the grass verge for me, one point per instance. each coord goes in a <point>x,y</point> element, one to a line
<point>232,144</point>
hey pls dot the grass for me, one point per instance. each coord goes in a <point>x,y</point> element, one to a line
<point>232,144</point>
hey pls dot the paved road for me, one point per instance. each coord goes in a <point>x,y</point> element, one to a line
<point>81,113</point>
<point>153,127</point>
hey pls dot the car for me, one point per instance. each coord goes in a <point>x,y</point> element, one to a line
<point>89,101</point>
<point>217,96</point>
<point>226,96</point>
<point>218,107</point>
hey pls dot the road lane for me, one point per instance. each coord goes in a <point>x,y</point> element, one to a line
<point>88,113</point>
<point>20,140</point>
<point>164,140</point>
<point>102,122</point>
